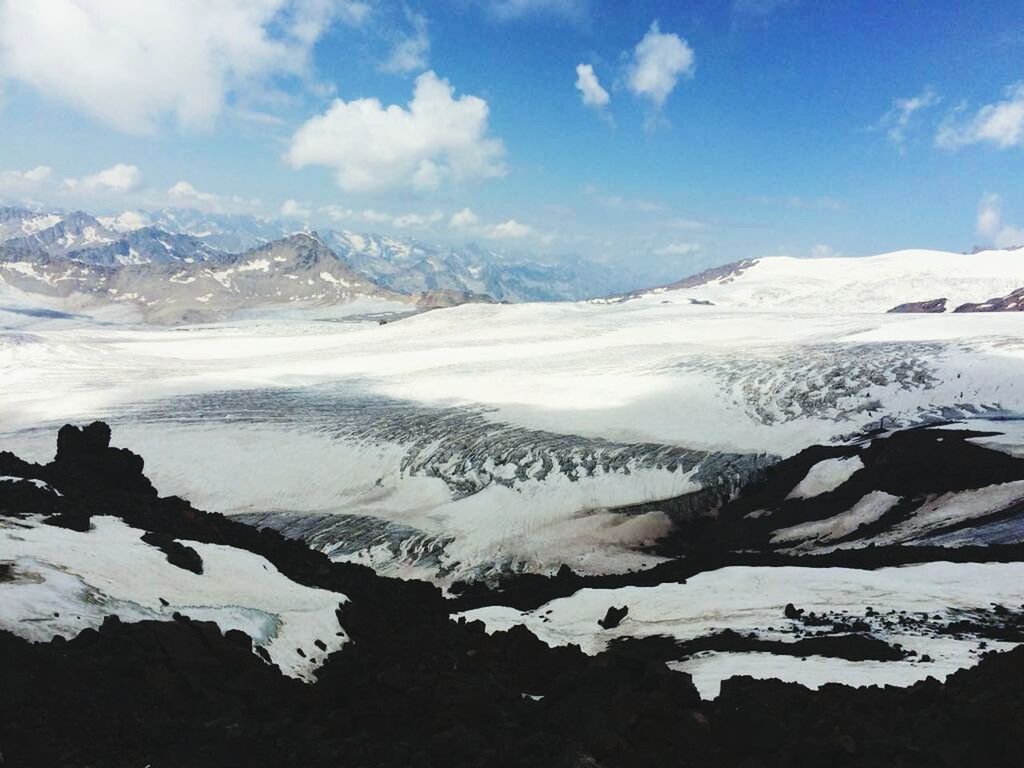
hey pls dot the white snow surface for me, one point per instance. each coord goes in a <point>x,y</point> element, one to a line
<point>952,508</point>
<point>826,476</point>
<point>860,285</point>
<point>717,379</point>
<point>752,599</point>
<point>869,509</point>
<point>703,377</point>
<point>37,483</point>
<point>65,581</point>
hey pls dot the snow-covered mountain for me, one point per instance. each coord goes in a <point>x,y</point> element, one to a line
<point>109,241</point>
<point>299,270</point>
<point>232,233</point>
<point>21,222</point>
<point>71,232</point>
<point>866,284</point>
<point>411,266</point>
<point>403,265</point>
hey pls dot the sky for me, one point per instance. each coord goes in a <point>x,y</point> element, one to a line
<point>654,134</point>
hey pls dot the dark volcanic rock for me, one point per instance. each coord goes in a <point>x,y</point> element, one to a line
<point>792,612</point>
<point>915,465</point>
<point>932,305</point>
<point>415,689</point>
<point>613,617</point>
<point>84,457</point>
<point>846,646</point>
<point>1012,302</point>
<point>177,553</point>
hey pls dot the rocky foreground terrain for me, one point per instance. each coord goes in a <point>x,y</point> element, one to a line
<point>409,685</point>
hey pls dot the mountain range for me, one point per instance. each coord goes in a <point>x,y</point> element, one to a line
<point>175,265</point>
<point>79,253</point>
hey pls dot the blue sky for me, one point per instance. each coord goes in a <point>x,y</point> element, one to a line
<point>708,131</point>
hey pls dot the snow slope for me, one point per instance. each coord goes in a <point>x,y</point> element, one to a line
<point>751,600</point>
<point>496,434</point>
<point>856,285</point>
<point>64,581</point>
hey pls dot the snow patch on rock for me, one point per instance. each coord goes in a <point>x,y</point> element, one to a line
<point>65,581</point>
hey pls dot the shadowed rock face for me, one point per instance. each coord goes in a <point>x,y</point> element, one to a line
<point>933,305</point>
<point>85,457</point>
<point>1012,302</point>
<point>915,468</point>
<point>416,689</point>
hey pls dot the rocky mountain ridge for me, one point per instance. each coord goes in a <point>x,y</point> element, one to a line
<point>402,265</point>
<point>296,270</point>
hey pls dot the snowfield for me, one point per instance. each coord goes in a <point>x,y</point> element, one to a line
<point>486,438</point>
<point>64,581</point>
<point>751,600</point>
<point>870,284</point>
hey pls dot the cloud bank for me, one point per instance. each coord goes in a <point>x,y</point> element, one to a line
<point>370,147</point>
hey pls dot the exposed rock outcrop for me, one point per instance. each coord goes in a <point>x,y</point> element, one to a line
<point>932,305</point>
<point>414,688</point>
<point>1012,302</point>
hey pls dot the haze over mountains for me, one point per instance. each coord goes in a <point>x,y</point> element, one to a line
<point>181,263</point>
<point>175,265</point>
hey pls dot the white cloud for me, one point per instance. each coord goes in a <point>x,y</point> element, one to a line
<point>411,220</point>
<point>374,217</point>
<point>1001,124</point>
<point>659,60</point>
<point>509,230</point>
<point>619,202</point>
<point>417,220</point>
<point>757,9</point>
<point>371,147</point>
<point>184,195</point>
<point>468,224</point>
<point>680,222</point>
<point>677,249</point>
<point>897,120</point>
<point>21,184</point>
<point>824,252</point>
<point>571,10</point>
<point>464,219</point>
<point>120,178</point>
<point>410,53</point>
<point>292,209</point>
<point>37,174</point>
<point>991,227</point>
<point>340,214</point>
<point>590,87</point>
<point>822,203</point>
<point>132,64</point>
<point>32,175</point>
